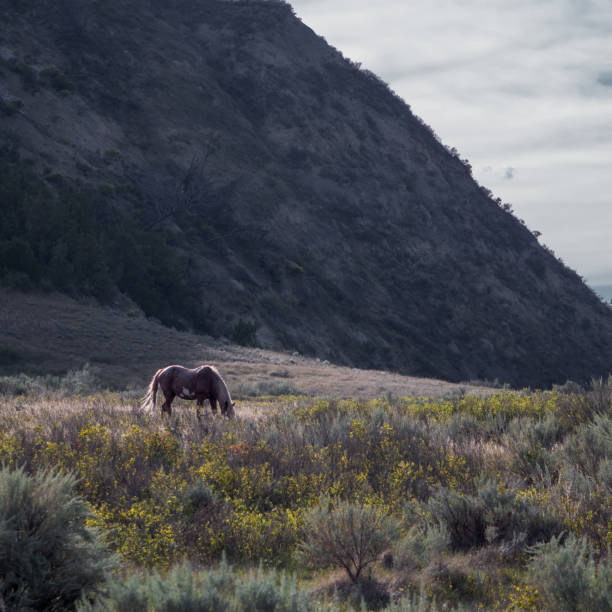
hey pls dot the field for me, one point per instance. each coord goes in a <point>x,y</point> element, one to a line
<point>500,500</point>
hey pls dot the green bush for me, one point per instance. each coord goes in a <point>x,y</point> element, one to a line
<point>462,515</point>
<point>346,535</point>
<point>568,577</point>
<point>604,473</point>
<point>584,485</point>
<point>415,603</point>
<point>49,558</point>
<point>182,589</point>
<point>267,591</point>
<point>590,445</point>
<point>198,495</point>
<point>74,382</point>
<point>245,333</point>
<point>494,514</point>
<point>185,589</point>
<point>578,407</point>
<point>529,442</point>
<point>420,546</point>
<point>124,594</point>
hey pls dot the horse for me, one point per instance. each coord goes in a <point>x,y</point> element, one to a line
<point>200,383</point>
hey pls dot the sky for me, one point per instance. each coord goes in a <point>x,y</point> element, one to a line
<point>522,89</point>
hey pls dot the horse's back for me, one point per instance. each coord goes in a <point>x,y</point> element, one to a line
<point>170,371</point>
<point>202,379</point>
<point>208,370</point>
<point>173,374</point>
<point>207,377</point>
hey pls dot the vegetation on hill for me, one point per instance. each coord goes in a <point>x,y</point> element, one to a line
<point>57,235</point>
<point>228,170</point>
<point>502,502</point>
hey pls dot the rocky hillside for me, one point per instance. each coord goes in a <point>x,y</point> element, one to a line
<point>221,166</point>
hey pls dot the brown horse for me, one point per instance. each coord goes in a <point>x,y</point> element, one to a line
<point>200,383</point>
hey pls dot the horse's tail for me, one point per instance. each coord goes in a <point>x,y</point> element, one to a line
<point>148,401</point>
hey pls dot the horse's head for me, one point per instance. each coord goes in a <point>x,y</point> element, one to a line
<point>227,408</point>
<point>222,394</point>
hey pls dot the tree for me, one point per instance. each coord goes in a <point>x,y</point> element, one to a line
<point>351,536</point>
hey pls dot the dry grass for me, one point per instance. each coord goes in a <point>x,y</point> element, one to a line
<point>105,409</point>
<point>53,333</point>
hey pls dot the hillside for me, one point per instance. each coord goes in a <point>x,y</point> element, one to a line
<point>224,169</point>
<point>54,334</point>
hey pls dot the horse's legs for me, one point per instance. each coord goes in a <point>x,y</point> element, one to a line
<point>167,405</point>
<point>213,404</point>
<point>198,414</point>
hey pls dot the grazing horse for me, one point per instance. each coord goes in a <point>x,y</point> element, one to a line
<point>199,384</point>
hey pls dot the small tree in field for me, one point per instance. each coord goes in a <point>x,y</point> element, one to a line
<point>49,558</point>
<point>342,534</point>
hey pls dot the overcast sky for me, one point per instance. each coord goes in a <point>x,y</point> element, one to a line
<point>522,88</point>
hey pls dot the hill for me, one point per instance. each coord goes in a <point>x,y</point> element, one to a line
<point>119,349</point>
<point>223,168</point>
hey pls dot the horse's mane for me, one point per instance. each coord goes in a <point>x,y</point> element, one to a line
<point>209,367</point>
<point>220,385</point>
<point>218,381</point>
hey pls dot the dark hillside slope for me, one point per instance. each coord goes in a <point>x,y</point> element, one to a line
<point>245,174</point>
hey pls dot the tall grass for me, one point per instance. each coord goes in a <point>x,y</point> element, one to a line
<point>471,483</point>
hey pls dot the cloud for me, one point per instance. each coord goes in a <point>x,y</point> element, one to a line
<point>605,79</point>
<point>512,85</point>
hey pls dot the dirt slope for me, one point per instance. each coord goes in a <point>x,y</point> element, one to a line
<point>53,333</point>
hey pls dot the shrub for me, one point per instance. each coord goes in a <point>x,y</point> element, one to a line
<point>604,473</point>
<point>346,535</point>
<point>461,427</point>
<point>494,514</point>
<point>366,594</point>
<point>420,546</point>
<point>122,595</point>
<point>266,591</point>
<point>49,558</point>
<point>462,515</point>
<point>568,577</point>
<point>585,502</point>
<point>414,603</point>
<point>73,382</point>
<point>184,589</point>
<point>245,333</point>
<point>590,445</point>
<point>544,432</point>
<point>578,407</point>
<point>56,79</point>
<point>198,495</point>
<point>529,442</point>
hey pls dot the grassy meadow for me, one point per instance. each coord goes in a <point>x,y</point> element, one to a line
<point>465,502</point>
